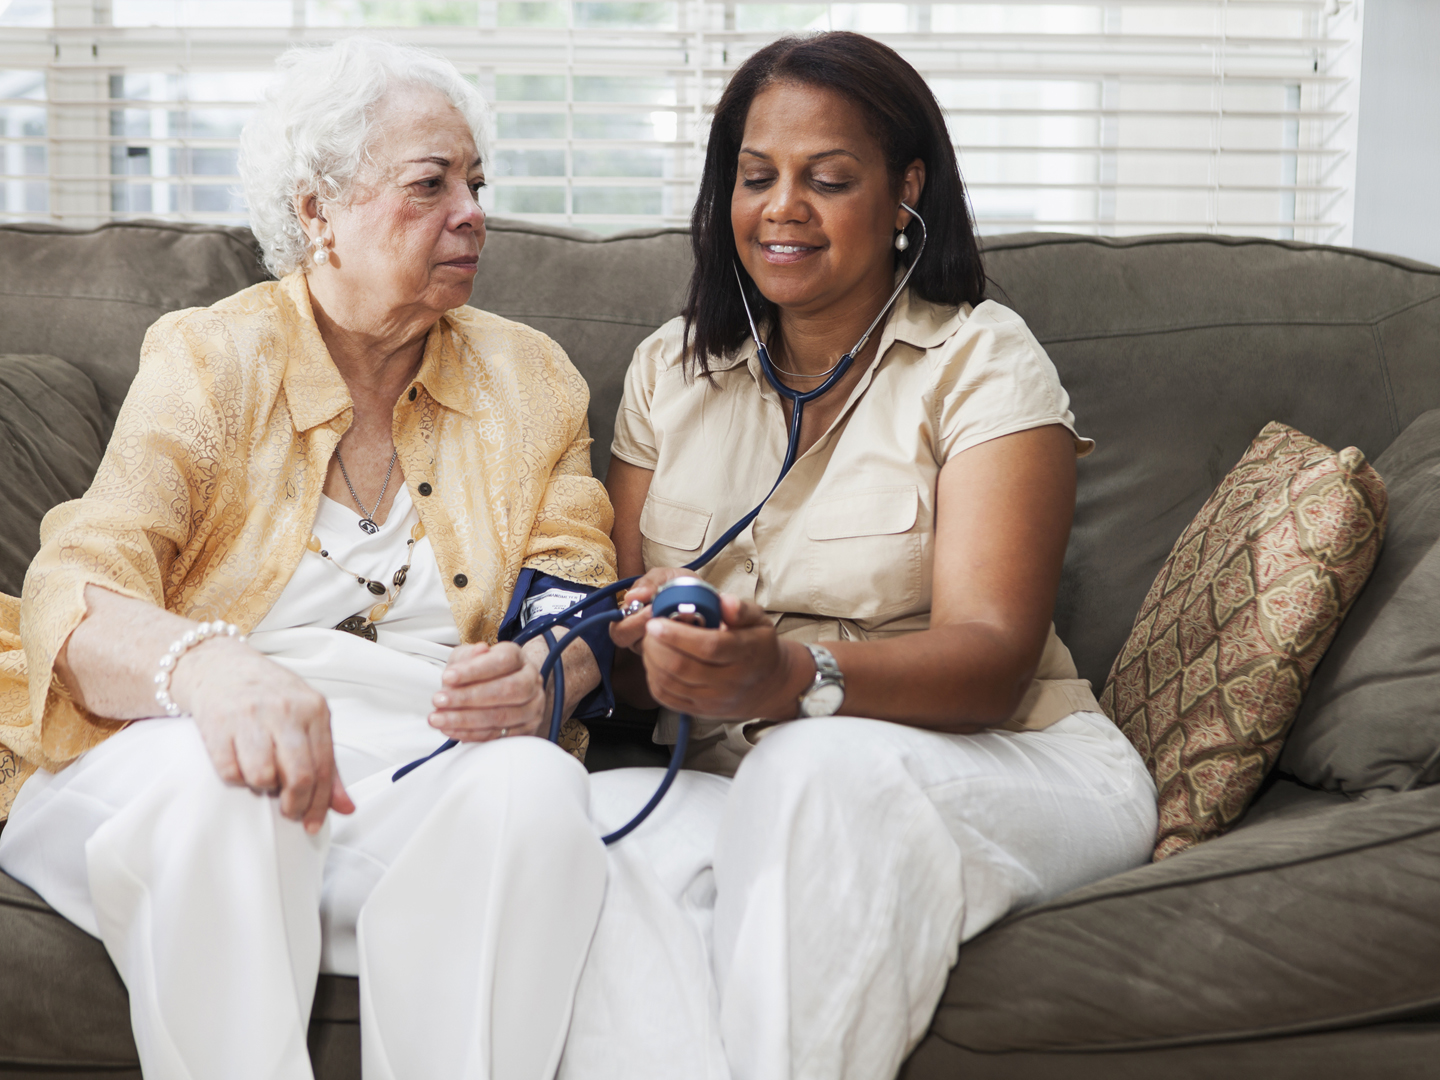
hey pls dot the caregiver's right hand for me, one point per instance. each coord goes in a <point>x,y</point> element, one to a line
<point>629,632</point>
<point>265,728</point>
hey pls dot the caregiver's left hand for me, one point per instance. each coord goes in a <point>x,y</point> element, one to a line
<point>487,688</point>
<point>739,671</point>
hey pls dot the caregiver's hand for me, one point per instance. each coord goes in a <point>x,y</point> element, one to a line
<point>628,632</point>
<point>487,688</point>
<point>741,670</point>
<point>264,726</point>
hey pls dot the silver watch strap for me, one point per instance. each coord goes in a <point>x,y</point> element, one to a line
<point>826,669</point>
<point>826,694</point>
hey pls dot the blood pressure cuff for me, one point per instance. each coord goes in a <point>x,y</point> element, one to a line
<point>538,595</point>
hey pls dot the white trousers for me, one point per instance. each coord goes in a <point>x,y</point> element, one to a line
<point>799,922</point>
<point>464,896</point>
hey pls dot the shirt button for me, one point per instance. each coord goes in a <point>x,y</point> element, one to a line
<point>749,566</point>
<point>412,393</point>
<point>461,581</point>
<point>424,489</point>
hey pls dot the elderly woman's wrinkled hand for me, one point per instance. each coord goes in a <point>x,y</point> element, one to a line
<point>489,691</point>
<point>265,728</point>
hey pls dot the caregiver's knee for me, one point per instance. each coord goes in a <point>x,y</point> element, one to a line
<point>844,755</point>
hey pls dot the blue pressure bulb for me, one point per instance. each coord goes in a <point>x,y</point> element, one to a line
<point>687,599</point>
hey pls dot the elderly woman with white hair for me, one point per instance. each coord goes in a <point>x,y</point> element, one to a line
<point>329,502</point>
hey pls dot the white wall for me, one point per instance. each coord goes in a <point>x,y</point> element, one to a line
<point>1397,174</point>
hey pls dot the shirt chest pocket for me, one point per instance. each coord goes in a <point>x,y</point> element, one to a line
<point>863,552</point>
<point>672,531</point>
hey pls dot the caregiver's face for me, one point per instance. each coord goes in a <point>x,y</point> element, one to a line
<point>411,235</point>
<point>814,208</point>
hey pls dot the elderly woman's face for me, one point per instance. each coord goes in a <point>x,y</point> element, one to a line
<point>814,208</point>
<point>411,235</point>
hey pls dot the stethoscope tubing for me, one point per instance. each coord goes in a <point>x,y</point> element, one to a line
<point>677,759</point>
<point>553,668</point>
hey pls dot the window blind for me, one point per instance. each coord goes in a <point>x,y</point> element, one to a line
<point>1232,116</point>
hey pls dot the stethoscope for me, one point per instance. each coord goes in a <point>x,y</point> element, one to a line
<point>688,599</point>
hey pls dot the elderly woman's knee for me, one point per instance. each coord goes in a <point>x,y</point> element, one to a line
<point>177,792</point>
<point>542,783</point>
<point>167,753</point>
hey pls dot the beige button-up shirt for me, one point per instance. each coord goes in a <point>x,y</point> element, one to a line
<point>208,491</point>
<point>845,547</point>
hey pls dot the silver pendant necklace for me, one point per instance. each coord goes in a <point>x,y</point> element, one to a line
<point>367,521</point>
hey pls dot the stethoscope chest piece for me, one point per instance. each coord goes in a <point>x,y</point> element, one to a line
<point>687,599</point>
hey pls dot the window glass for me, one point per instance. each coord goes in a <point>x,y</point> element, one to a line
<point>26,13</point>
<point>1106,117</point>
<point>24,191</point>
<point>391,12</point>
<point>173,148</point>
<point>201,12</point>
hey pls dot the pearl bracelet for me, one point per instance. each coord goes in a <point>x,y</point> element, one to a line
<point>178,648</point>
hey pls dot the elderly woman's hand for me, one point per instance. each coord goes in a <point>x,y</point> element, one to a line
<point>265,728</point>
<point>487,689</point>
<point>741,670</point>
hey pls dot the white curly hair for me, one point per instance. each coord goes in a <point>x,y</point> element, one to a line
<point>311,135</point>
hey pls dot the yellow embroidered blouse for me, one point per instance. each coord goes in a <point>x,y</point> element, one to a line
<point>209,488</point>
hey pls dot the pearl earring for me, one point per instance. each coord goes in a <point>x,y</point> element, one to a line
<point>901,241</point>
<point>322,253</point>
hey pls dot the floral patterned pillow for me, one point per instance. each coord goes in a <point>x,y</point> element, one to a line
<point>1247,603</point>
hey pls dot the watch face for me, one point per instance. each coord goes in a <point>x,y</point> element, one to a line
<point>823,700</point>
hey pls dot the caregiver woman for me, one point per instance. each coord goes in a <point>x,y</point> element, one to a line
<point>913,755</point>
<point>370,478</point>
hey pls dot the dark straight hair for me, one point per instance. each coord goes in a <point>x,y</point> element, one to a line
<point>903,115</point>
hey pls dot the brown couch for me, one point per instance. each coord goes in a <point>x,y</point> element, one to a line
<point>1304,944</point>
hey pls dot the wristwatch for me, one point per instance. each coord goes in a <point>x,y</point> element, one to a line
<point>827,693</point>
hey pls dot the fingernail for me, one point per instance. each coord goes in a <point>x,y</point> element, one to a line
<point>441,700</point>
<point>655,627</point>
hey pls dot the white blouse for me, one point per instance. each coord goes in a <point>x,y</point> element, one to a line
<point>319,594</point>
<point>379,692</point>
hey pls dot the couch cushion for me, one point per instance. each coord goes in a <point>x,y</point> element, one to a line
<point>598,296</point>
<point>1223,647</point>
<point>1176,350</point>
<point>62,1003</point>
<point>1318,916</point>
<point>335,1029</point>
<point>1371,718</point>
<point>51,431</point>
<point>64,1011</point>
<point>88,296</point>
<point>1400,1051</point>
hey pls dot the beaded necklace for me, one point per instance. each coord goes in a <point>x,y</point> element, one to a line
<point>363,624</point>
